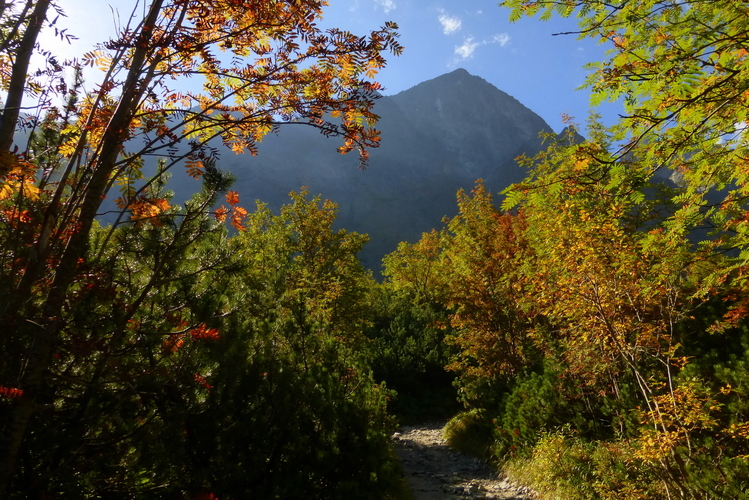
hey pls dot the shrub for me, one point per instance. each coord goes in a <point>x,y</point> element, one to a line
<point>408,353</point>
<point>470,432</point>
<point>566,467</point>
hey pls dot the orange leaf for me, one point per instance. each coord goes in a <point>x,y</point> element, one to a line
<point>221,213</point>
<point>237,218</point>
<point>10,392</point>
<point>203,332</point>
<point>232,197</point>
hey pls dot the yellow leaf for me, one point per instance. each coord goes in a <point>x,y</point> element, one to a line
<point>26,187</point>
<point>30,190</point>
<point>581,164</point>
<point>6,191</point>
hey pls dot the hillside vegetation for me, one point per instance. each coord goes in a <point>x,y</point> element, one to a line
<point>160,356</point>
<point>600,316</point>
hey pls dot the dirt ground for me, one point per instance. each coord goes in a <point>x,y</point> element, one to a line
<point>436,472</point>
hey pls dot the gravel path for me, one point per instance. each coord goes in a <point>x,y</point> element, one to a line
<point>435,472</point>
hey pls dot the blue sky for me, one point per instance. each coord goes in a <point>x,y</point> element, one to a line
<point>523,59</point>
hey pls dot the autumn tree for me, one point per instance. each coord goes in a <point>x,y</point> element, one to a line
<point>482,248</point>
<point>681,71</point>
<point>470,268</point>
<point>261,64</point>
<point>608,284</point>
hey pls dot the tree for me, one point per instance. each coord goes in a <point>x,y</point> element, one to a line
<point>681,70</point>
<point>470,269</point>
<point>408,331</point>
<point>482,250</point>
<point>609,285</point>
<point>19,35</point>
<point>612,293</point>
<point>132,360</point>
<point>277,67</point>
<point>291,378</point>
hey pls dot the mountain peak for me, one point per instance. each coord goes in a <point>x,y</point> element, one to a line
<point>569,135</point>
<point>451,79</point>
<point>437,137</point>
<point>458,101</point>
<point>459,75</point>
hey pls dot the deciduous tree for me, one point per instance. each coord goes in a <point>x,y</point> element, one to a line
<point>681,69</point>
<point>261,64</point>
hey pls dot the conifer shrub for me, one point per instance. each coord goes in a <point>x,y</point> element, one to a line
<point>542,402</point>
<point>533,406</point>
<point>470,432</point>
<point>408,353</point>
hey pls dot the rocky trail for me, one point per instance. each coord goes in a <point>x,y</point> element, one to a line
<point>436,472</point>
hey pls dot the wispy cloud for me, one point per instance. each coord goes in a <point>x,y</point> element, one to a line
<point>466,50</point>
<point>387,5</point>
<point>470,45</point>
<point>501,38</point>
<point>450,24</point>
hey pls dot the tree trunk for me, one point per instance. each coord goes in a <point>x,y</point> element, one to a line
<point>45,329</point>
<point>17,83</point>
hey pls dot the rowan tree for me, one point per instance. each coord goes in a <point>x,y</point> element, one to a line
<point>482,250</point>
<point>611,292</point>
<point>259,65</point>
<point>681,70</point>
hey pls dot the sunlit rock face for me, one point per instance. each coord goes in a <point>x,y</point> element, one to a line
<point>437,137</point>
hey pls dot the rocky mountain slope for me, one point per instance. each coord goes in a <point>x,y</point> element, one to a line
<point>437,137</point>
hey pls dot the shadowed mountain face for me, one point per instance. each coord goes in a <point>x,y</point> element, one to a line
<point>437,137</point>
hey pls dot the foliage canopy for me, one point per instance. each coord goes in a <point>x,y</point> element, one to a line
<point>601,318</point>
<point>113,332</point>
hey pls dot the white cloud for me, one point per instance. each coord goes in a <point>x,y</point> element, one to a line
<point>466,50</point>
<point>470,45</point>
<point>450,24</point>
<point>739,133</point>
<point>387,5</point>
<point>502,39</point>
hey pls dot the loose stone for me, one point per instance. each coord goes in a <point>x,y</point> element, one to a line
<point>435,472</point>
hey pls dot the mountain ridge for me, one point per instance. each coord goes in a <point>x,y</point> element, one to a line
<point>437,137</point>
